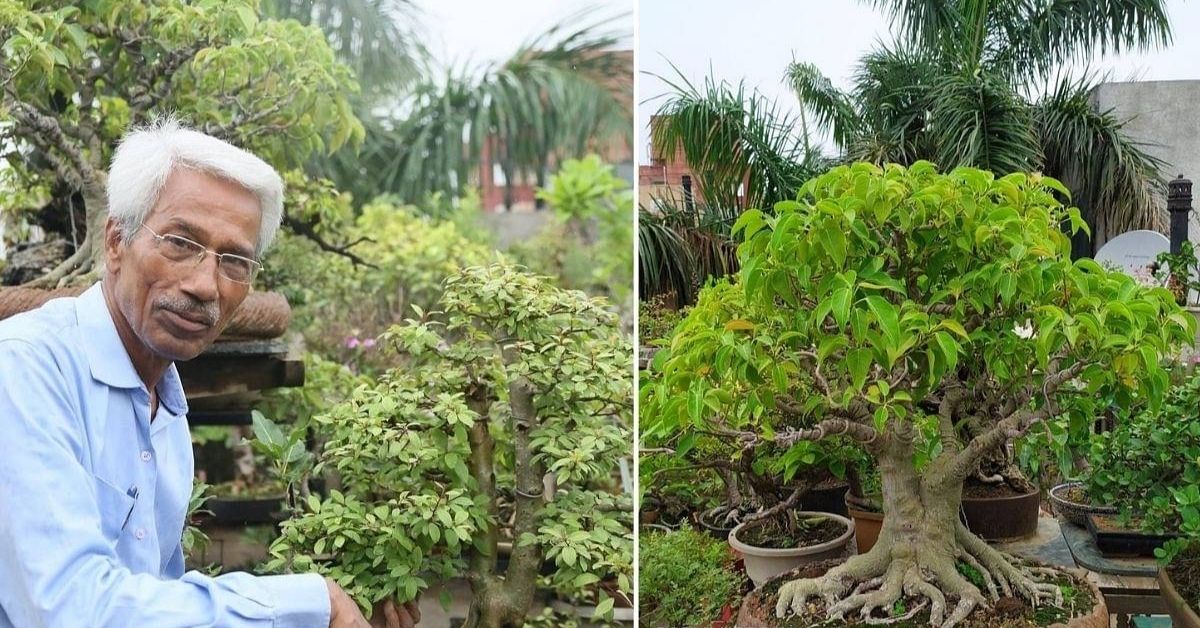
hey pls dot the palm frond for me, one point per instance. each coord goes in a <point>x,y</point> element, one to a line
<point>1116,183</point>
<point>831,108</point>
<point>980,122</point>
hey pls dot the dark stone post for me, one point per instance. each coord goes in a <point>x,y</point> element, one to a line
<point>1179,205</point>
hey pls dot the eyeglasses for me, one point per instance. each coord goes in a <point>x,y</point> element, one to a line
<point>180,249</point>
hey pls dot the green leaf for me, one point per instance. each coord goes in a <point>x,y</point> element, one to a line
<point>858,362</point>
<point>605,607</point>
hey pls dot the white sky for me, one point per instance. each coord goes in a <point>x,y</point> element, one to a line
<point>756,45</point>
<point>458,31</point>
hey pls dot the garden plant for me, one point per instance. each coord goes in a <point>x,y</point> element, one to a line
<point>932,318</point>
<point>513,390</point>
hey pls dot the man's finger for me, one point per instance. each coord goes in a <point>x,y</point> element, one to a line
<point>414,609</point>
<point>392,616</point>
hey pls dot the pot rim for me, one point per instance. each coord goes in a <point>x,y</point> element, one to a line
<point>754,550</point>
<point>1167,587</point>
<point>1010,498</point>
<point>1081,506</point>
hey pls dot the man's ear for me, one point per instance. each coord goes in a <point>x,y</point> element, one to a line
<point>114,246</point>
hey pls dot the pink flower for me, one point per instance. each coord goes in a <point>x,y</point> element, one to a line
<point>368,343</point>
<point>352,342</point>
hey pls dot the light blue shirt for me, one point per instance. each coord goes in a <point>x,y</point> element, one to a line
<point>93,494</point>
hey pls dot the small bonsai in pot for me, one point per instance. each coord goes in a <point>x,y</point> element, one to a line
<point>514,387</point>
<point>1179,577</point>
<point>261,494</point>
<point>884,306</point>
<point>1148,464</point>
<point>686,578</point>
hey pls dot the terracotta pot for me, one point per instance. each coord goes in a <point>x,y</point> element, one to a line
<point>1075,512</point>
<point>1003,518</point>
<point>1182,614</point>
<point>759,611</point>
<point>763,563</point>
<point>867,525</point>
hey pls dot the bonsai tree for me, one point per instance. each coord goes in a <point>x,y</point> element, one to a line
<point>514,391</point>
<point>76,77</point>
<point>931,318</point>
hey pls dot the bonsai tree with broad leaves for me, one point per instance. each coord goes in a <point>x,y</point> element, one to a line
<point>75,76</point>
<point>887,306</point>
<point>516,391</point>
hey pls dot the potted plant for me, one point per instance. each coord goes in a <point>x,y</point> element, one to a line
<point>687,577</point>
<point>512,387</point>
<point>1147,465</point>
<point>254,499</point>
<point>864,503</point>
<point>1181,272</point>
<point>1070,501</point>
<point>774,542</point>
<point>886,306</point>
<point>1179,581</point>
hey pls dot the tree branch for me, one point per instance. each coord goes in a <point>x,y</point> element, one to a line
<point>302,228</point>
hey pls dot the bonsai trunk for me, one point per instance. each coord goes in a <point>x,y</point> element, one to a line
<point>918,550</point>
<point>502,600</point>
<point>84,265</point>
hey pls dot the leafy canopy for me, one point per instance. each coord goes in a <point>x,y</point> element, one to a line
<point>879,286</point>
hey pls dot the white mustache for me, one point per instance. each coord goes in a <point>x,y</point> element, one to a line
<point>209,312</point>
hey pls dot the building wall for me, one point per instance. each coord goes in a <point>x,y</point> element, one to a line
<point>1164,115</point>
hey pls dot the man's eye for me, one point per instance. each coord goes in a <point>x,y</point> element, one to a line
<point>179,244</point>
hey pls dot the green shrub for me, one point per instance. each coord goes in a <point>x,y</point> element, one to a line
<point>686,578</point>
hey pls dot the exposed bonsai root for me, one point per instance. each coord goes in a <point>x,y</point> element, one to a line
<point>925,577</point>
<point>80,259</point>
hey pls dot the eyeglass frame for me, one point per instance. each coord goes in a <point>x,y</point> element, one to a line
<point>255,265</point>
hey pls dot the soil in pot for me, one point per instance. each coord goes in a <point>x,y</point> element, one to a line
<point>998,512</point>
<point>774,534</point>
<point>1081,607</point>
<point>1114,539</point>
<point>1182,591</point>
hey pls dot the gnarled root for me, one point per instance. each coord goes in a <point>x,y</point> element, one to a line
<point>869,585</point>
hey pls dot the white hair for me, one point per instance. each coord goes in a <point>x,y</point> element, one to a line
<point>146,156</point>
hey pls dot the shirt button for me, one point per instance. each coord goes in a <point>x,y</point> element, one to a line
<point>146,456</point>
<point>140,533</point>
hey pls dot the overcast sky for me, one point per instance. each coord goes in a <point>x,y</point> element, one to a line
<point>756,45</point>
<point>458,31</point>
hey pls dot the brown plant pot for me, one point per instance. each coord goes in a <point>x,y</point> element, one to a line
<point>763,563</point>
<point>1075,512</point>
<point>758,610</point>
<point>1182,614</point>
<point>1003,518</point>
<point>867,525</point>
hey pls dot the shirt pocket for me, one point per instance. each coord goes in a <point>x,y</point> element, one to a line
<point>116,505</point>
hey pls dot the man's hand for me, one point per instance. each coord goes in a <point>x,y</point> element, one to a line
<point>388,614</point>
<point>343,612</point>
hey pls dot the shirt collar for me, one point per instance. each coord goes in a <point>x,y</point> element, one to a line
<point>106,353</point>
<point>108,358</point>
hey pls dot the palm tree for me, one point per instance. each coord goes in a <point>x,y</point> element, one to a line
<point>970,82</point>
<point>744,152</point>
<point>560,95</point>
<point>378,39</point>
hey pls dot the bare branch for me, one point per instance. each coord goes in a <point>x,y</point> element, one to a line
<point>302,228</point>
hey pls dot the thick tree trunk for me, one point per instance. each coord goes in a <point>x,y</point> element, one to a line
<point>917,554</point>
<point>85,264</point>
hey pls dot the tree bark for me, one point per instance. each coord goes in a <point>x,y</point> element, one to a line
<point>918,551</point>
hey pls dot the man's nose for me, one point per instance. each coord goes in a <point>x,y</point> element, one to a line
<point>201,281</point>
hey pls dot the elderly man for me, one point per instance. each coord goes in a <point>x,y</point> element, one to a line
<point>96,476</point>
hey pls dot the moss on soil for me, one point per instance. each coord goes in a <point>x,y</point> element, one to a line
<point>808,531</point>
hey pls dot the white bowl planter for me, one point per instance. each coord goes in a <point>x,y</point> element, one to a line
<point>763,563</point>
